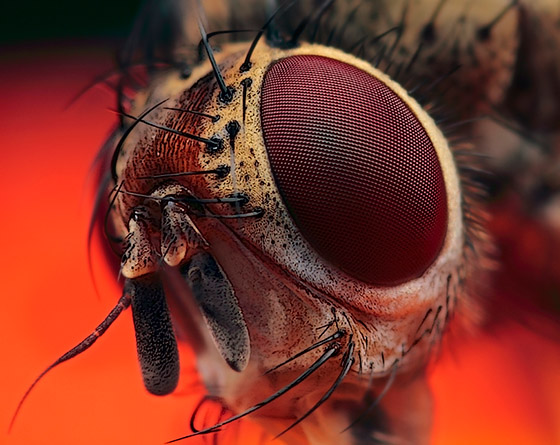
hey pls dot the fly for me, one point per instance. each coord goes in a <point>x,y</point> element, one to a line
<point>304,207</point>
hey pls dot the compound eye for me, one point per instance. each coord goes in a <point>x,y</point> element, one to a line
<point>355,167</point>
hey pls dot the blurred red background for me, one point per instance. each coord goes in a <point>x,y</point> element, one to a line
<point>499,388</point>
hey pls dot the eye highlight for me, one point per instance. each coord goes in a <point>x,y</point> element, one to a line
<point>355,167</point>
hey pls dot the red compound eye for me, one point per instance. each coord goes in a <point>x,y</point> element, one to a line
<point>356,169</point>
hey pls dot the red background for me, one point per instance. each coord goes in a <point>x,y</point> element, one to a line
<point>502,388</point>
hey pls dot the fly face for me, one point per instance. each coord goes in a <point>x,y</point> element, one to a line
<point>328,204</point>
<point>301,214</point>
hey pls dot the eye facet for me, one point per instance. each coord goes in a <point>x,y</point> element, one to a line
<point>355,167</point>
